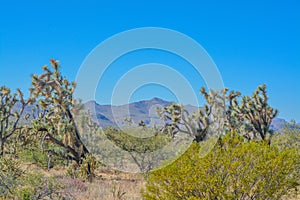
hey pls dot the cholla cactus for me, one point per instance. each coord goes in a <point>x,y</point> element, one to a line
<point>54,95</point>
<point>253,116</point>
<point>11,109</point>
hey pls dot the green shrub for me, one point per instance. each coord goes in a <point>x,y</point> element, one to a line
<point>288,137</point>
<point>86,170</point>
<point>34,155</point>
<point>234,169</point>
<point>18,184</point>
<point>10,175</point>
<point>36,186</point>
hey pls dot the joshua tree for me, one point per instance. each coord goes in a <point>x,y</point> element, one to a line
<point>11,109</point>
<point>178,119</point>
<point>253,115</point>
<point>54,95</point>
<point>222,113</point>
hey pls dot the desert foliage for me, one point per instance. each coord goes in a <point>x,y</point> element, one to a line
<point>56,150</point>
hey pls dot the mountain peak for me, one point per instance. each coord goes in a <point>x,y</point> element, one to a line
<point>91,102</point>
<point>156,99</point>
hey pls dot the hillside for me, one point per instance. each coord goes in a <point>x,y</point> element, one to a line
<point>109,115</point>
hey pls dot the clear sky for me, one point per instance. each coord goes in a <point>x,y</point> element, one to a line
<point>251,42</point>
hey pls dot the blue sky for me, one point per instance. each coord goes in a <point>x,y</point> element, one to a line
<point>251,42</point>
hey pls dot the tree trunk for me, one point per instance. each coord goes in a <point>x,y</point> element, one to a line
<point>198,138</point>
<point>1,147</point>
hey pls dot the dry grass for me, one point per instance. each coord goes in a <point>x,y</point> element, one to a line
<point>107,185</point>
<point>112,190</point>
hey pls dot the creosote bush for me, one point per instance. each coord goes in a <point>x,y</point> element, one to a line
<point>235,169</point>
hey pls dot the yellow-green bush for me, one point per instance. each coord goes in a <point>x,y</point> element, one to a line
<point>86,170</point>
<point>234,169</point>
<point>16,183</point>
<point>36,186</point>
<point>10,176</point>
<point>288,137</point>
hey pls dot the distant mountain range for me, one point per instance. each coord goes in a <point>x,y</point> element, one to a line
<point>110,115</point>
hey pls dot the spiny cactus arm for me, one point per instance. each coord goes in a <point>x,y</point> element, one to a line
<point>49,136</point>
<point>71,118</point>
<point>187,123</point>
<point>187,131</point>
<point>18,115</point>
<point>236,119</point>
<point>10,119</point>
<point>179,118</point>
<point>234,106</point>
<point>174,127</point>
<point>267,113</point>
<point>201,131</point>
